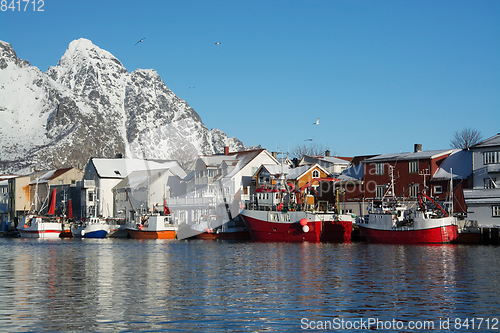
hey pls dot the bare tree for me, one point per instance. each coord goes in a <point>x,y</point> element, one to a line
<point>465,138</point>
<point>311,149</point>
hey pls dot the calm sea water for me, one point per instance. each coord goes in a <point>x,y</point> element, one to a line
<point>125,285</point>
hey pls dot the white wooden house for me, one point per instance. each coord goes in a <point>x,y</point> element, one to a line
<point>101,175</point>
<point>218,184</point>
<point>334,165</point>
<point>483,200</point>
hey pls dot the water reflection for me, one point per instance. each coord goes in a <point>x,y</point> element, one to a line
<point>136,285</point>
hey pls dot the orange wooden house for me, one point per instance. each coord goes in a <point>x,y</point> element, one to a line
<point>307,179</point>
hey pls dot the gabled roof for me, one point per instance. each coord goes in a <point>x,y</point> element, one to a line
<point>217,160</point>
<point>328,159</point>
<point>121,167</point>
<point>274,169</point>
<point>420,155</point>
<point>354,172</point>
<point>297,173</point>
<point>141,178</point>
<point>459,162</point>
<point>493,141</point>
<point>50,175</point>
<point>237,159</point>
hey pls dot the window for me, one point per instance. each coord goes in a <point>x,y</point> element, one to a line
<point>413,190</point>
<point>91,196</point>
<point>380,191</point>
<point>60,182</point>
<point>413,167</point>
<point>495,211</point>
<point>490,182</point>
<point>379,168</point>
<point>315,174</point>
<point>491,157</point>
<point>438,189</point>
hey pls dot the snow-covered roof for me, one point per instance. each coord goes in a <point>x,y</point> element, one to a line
<point>49,175</point>
<point>328,159</point>
<point>354,172</point>
<point>493,141</point>
<point>274,169</point>
<point>122,167</point>
<point>459,162</point>
<point>410,156</point>
<point>141,178</point>
<point>298,172</point>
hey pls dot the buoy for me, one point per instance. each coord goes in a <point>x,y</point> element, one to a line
<point>303,222</point>
<point>305,228</point>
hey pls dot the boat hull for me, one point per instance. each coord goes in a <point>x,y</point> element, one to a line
<point>147,234</point>
<point>437,235</point>
<point>265,227</point>
<point>37,228</point>
<point>336,231</point>
<point>469,238</point>
<point>45,232</point>
<point>95,234</point>
<point>225,235</point>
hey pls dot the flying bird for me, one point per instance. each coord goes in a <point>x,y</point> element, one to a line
<point>140,41</point>
<point>317,122</point>
<point>309,139</point>
<point>218,43</point>
<point>191,87</point>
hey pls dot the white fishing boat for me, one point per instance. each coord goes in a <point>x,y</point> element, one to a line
<point>35,225</point>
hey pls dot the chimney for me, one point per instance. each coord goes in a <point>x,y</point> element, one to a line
<point>327,153</point>
<point>275,154</point>
<point>226,150</point>
<point>417,147</point>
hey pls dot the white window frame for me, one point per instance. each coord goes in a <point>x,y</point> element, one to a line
<point>413,166</point>
<point>315,174</point>
<point>379,191</point>
<point>438,189</point>
<point>491,157</point>
<point>379,168</point>
<point>489,182</point>
<point>495,211</point>
<point>414,189</point>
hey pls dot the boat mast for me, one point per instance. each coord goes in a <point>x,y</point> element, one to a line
<point>451,192</point>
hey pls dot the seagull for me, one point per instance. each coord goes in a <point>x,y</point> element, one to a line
<point>317,122</point>
<point>309,139</point>
<point>140,41</point>
<point>191,87</point>
<point>218,43</point>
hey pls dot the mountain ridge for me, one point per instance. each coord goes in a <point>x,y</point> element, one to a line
<point>89,105</point>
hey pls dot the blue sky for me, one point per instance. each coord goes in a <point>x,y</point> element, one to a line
<point>380,75</point>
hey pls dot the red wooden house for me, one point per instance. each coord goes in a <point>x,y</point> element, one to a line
<point>412,173</point>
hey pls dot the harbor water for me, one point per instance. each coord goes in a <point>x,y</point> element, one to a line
<point>126,285</point>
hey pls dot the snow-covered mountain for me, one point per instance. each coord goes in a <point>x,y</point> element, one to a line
<point>89,105</point>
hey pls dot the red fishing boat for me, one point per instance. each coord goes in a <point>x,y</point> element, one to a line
<point>391,222</point>
<point>279,215</point>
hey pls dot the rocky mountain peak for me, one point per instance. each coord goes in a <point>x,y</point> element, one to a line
<point>89,105</point>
